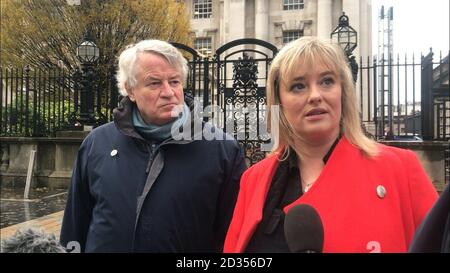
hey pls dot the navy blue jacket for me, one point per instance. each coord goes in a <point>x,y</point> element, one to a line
<point>129,194</point>
<point>433,235</point>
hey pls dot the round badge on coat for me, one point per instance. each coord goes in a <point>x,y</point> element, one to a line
<point>114,152</point>
<point>381,191</point>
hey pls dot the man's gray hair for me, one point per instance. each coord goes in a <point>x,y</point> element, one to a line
<point>31,240</point>
<point>127,60</point>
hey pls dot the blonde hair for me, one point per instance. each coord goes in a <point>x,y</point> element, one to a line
<point>311,51</point>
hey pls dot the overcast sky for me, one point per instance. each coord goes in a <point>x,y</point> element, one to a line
<point>418,25</point>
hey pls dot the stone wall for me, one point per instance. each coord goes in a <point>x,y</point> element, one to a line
<point>55,158</point>
<point>53,162</point>
<point>431,155</point>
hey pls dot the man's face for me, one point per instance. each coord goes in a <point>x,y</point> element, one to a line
<point>158,88</point>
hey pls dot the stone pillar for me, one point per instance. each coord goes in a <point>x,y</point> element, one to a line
<point>222,24</point>
<point>365,27</point>
<point>351,9</point>
<point>262,20</point>
<point>236,20</point>
<point>262,33</point>
<point>324,19</point>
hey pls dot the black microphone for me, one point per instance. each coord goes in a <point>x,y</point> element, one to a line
<point>303,229</point>
<point>31,240</point>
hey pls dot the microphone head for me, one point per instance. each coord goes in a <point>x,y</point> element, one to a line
<point>31,241</point>
<point>303,229</point>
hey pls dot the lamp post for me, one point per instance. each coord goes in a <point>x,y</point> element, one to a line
<point>87,53</point>
<point>346,37</point>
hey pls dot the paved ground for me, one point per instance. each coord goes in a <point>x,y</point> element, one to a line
<point>42,201</point>
<point>43,209</point>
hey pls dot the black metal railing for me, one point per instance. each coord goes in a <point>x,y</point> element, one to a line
<point>405,97</point>
<point>36,102</point>
<point>447,165</point>
<point>33,102</point>
<point>401,96</point>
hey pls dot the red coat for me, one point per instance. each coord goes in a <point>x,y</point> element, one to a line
<point>354,218</point>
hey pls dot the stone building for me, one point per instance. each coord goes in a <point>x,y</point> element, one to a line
<point>216,22</point>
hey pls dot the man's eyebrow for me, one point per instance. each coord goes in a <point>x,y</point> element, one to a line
<point>152,77</point>
<point>156,77</point>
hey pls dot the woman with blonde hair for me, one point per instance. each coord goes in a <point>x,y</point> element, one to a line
<point>369,197</point>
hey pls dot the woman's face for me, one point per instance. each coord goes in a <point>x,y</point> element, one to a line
<point>311,102</point>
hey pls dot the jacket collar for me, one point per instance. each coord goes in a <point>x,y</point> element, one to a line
<point>123,117</point>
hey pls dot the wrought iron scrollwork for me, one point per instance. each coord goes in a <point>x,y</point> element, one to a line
<point>245,75</point>
<point>246,102</point>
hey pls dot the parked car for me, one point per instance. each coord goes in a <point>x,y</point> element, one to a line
<point>407,138</point>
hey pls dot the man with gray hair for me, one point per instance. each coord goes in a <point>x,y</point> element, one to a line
<point>137,188</point>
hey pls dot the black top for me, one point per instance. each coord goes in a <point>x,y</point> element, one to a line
<point>433,234</point>
<point>284,189</point>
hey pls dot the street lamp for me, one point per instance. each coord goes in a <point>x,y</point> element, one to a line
<point>346,37</point>
<point>88,54</point>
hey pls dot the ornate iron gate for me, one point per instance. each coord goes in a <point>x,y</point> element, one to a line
<point>241,75</point>
<point>233,85</point>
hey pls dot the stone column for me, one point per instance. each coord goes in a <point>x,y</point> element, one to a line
<point>223,23</point>
<point>262,20</point>
<point>352,10</point>
<point>262,33</point>
<point>324,18</point>
<point>236,20</point>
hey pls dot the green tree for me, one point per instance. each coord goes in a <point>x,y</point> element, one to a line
<point>45,33</point>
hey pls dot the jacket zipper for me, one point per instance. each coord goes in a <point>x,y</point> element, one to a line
<point>152,149</point>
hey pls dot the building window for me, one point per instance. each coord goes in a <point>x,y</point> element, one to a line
<point>293,4</point>
<point>291,35</point>
<point>203,45</point>
<point>202,9</point>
